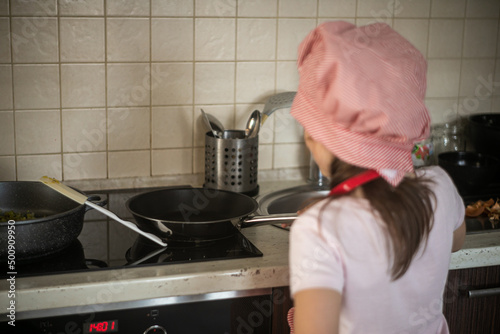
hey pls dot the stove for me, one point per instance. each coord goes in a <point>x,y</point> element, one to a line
<point>106,244</point>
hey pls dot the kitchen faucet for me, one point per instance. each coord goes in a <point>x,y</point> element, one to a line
<point>316,178</point>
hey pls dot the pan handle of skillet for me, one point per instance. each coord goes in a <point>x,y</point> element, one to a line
<point>98,199</point>
<point>281,218</point>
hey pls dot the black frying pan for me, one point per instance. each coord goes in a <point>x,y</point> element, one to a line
<point>58,220</point>
<point>197,214</point>
<point>470,170</point>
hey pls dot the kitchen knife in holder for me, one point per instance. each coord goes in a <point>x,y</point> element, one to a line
<point>231,162</point>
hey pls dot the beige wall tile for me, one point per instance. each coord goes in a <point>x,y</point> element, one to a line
<point>287,76</point>
<point>414,30</point>
<point>4,40</point>
<point>172,8</point>
<point>256,39</point>
<point>290,155</point>
<point>474,75</point>
<point>34,40</point>
<point>199,160</point>
<point>443,78</point>
<point>36,86</point>
<point>253,80</point>
<point>129,164</point>
<point>34,7</point>
<point>448,8</point>
<point>172,127</point>
<point>172,39</point>
<point>290,33</point>
<point>8,168</point>
<point>128,129</point>
<point>127,39</point>
<point>172,161</point>
<point>410,8</point>
<point>442,110</point>
<point>172,83</point>
<point>215,8</point>
<point>258,8</point>
<point>81,8</point>
<point>128,84</point>
<point>265,156</point>
<point>82,39</point>
<point>38,131</point>
<point>480,38</point>
<point>214,39</point>
<point>214,83</point>
<point>4,7</point>
<point>7,133</point>
<point>33,167</point>
<point>483,8</point>
<point>297,8</point>
<point>81,166</point>
<point>286,128</point>
<point>336,8</point>
<point>365,21</point>
<point>446,38</point>
<point>84,130</point>
<point>375,9</point>
<point>6,87</point>
<point>83,85</point>
<point>127,8</point>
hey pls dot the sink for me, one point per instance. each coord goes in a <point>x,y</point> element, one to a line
<point>289,200</point>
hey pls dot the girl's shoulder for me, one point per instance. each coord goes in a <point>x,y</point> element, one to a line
<point>345,215</point>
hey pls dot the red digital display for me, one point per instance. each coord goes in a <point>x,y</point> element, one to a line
<point>108,326</point>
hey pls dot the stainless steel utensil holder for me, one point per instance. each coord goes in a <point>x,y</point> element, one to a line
<point>231,162</point>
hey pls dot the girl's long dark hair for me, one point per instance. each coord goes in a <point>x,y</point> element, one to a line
<point>406,210</point>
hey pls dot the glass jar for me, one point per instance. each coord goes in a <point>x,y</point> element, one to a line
<point>448,137</point>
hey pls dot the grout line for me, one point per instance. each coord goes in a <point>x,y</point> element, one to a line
<point>13,95</point>
<point>60,89</point>
<point>150,89</point>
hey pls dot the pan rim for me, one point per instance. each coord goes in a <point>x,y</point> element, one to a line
<point>57,215</point>
<point>251,200</point>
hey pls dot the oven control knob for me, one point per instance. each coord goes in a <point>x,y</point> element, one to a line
<point>155,329</point>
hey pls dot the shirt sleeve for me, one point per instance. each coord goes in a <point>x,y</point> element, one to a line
<point>314,262</point>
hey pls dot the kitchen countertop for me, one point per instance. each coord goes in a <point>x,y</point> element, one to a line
<point>96,290</point>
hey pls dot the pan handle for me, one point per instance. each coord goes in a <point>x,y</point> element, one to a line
<point>98,199</point>
<point>279,218</point>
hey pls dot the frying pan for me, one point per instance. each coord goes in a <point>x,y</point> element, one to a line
<point>484,133</point>
<point>470,170</point>
<point>59,222</point>
<point>197,214</point>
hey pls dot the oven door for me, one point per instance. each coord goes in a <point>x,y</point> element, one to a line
<point>224,312</point>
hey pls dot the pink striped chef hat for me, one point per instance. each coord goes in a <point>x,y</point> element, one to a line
<point>361,94</point>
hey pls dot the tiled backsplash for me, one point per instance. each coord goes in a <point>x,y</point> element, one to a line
<point>106,94</point>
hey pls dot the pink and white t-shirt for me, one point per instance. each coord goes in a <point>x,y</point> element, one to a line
<point>347,251</point>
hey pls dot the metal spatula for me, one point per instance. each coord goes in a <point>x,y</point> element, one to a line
<point>275,102</point>
<point>82,199</point>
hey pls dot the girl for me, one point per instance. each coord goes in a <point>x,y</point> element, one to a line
<point>373,256</point>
